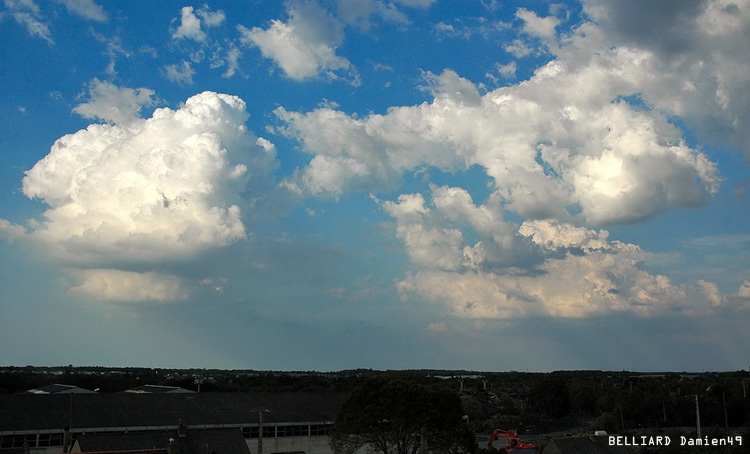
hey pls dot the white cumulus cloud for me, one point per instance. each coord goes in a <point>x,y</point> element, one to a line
<point>588,141</point>
<point>192,23</point>
<point>9,231</point>
<point>152,190</point>
<point>572,286</point>
<point>128,198</point>
<point>693,69</point>
<point>119,105</point>
<point>550,234</point>
<point>539,26</point>
<point>540,268</point>
<point>744,290</point>
<point>113,285</point>
<point>305,45</point>
<point>555,142</point>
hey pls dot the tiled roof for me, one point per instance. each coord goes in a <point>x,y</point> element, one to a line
<point>39,412</point>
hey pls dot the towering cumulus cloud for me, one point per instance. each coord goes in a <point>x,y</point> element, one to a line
<point>153,190</point>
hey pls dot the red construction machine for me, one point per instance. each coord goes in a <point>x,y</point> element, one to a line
<point>513,443</point>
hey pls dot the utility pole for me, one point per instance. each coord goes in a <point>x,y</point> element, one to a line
<point>68,437</point>
<point>697,416</point>
<point>726,420</point>
<point>260,428</point>
<point>187,415</point>
<point>260,432</point>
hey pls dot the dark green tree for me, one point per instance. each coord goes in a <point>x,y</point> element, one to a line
<point>391,415</point>
<point>549,398</point>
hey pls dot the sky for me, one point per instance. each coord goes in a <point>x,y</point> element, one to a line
<point>487,185</point>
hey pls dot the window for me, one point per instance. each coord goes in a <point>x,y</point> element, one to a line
<point>44,440</point>
<point>13,441</point>
<point>30,440</point>
<point>320,429</point>
<point>291,431</point>
<point>56,439</point>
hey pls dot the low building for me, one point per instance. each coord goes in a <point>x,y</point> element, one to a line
<point>180,441</point>
<point>280,422</point>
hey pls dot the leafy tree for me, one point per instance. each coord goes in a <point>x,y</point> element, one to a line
<point>391,415</point>
<point>550,398</point>
<point>583,395</point>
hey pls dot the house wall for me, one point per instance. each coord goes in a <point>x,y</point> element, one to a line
<point>308,445</point>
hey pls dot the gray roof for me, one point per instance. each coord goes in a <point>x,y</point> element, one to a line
<point>208,441</point>
<point>158,389</point>
<point>57,389</point>
<point>52,412</point>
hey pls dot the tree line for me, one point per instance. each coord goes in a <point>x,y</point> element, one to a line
<point>617,400</point>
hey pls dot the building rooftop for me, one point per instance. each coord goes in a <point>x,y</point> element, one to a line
<point>158,389</point>
<point>57,389</point>
<point>27,412</point>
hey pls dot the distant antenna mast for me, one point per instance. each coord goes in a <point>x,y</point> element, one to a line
<point>697,416</point>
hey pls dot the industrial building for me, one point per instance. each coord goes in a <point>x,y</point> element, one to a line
<point>274,422</point>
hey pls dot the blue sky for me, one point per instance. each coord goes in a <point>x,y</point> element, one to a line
<point>330,184</point>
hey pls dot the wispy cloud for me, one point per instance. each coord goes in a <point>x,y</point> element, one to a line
<point>87,9</point>
<point>193,23</point>
<point>181,74</point>
<point>27,14</point>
